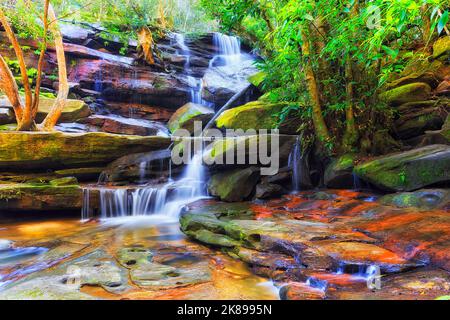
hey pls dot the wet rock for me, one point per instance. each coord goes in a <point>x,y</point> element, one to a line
<point>300,291</point>
<point>358,253</point>
<point>129,257</point>
<point>121,125</point>
<point>57,150</point>
<point>75,33</point>
<point>6,116</point>
<point>73,109</point>
<point>214,239</point>
<point>407,93</point>
<point>339,173</point>
<point>223,83</point>
<point>185,117</point>
<point>44,288</point>
<point>408,171</point>
<point>267,190</point>
<point>138,110</point>
<point>422,284</point>
<point>99,269</point>
<point>235,185</point>
<point>32,197</point>
<point>266,259</point>
<point>130,167</point>
<point>423,199</point>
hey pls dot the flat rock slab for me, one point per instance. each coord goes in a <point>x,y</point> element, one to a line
<point>33,150</point>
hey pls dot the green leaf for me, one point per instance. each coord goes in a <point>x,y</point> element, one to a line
<point>391,52</point>
<point>442,21</point>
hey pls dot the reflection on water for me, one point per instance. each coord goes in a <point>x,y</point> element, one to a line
<point>44,248</point>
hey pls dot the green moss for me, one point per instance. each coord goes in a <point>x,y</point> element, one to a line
<point>407,93</point>
<point>408,170</point>
<point>441,47</point>
<point>254,115</point>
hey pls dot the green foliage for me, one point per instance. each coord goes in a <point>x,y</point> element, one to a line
<point>371,36</point>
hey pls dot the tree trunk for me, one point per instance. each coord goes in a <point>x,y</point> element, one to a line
<point>320,126</point>
<point>37,89</point>
<point>351,134</point>
<point>9,87</point>
<point>63,90</point>
<point>26,121</point>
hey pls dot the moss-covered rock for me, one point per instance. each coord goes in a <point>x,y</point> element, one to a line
<point>73,109</point>
<point>185,117</point>
<point>39,197</point>
<point>235,185</point>
<point>418,91</point>
<point>253,115</point>
<point>408,171</point>
<point>339,173</point>
<point>33,150</point>
<point>423,199</point>
<point>441,47</point>
<point>246,147</point>
<point>66,181</point>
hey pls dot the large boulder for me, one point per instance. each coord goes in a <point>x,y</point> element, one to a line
<point>185,117</point>
<point>73,109</point>
<point>408,171</point>
<point>235,185</point>
<point>339,173</point>
<point>253,115</point>
<point>418,91</point>
<point>34,150</point>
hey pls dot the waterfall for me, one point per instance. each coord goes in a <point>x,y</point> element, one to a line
<point>167,200</point>
<point>295,163</point>
<point>229,48</point>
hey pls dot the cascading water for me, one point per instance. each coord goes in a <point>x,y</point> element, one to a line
<point>229,48</point>
<point>295,162</point>
<point>169,199</point>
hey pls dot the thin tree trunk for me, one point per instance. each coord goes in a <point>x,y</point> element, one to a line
<point>9,87</point>
<point>37,89</point>
<point>26,121</point>
<point>426,29</point>
<point>317,116</point>
<point>63,90</point>
<point>351,133</point>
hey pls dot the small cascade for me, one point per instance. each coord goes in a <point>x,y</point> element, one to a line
<point>113,202</point>
<point>86,210</point>
<point>295,163</point>
<point>229,48</point>
<point>168,199</point>
<point>98,80</point>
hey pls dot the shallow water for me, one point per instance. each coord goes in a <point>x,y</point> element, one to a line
<point>44,248</point>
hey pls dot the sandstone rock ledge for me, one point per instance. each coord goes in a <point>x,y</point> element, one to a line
<point>54,150</point>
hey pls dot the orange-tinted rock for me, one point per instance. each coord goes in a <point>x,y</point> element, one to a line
<point>300,291</point>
